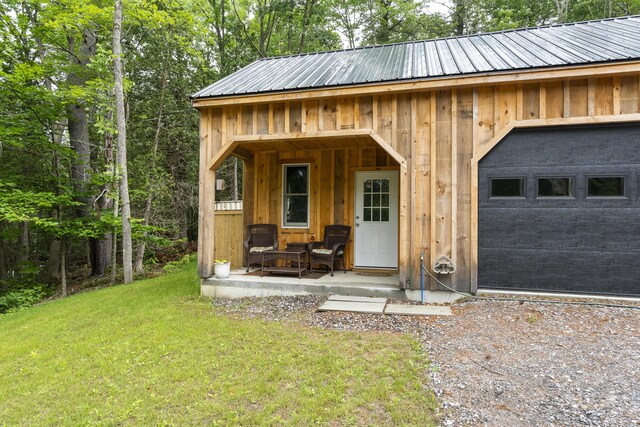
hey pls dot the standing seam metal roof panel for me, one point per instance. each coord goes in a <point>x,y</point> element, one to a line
<point>489,46</point>
<point>609,40</point>
<point>585,50</point>
<point>463,62</point>
<point>474,55</point>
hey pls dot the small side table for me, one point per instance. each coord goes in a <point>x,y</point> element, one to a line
<point>298,247</point>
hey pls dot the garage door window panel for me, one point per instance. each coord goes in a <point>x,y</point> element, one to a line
<point>507,188</point>
<point>555,187</point>
<point>606,187</point>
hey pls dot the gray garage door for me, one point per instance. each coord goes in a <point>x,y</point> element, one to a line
<point>559,210</point>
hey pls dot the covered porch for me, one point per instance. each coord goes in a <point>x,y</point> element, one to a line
<point>337,164</point>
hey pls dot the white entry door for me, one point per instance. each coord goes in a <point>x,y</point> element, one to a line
<point>376,219</point>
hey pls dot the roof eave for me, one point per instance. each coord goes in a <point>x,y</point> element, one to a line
<point>602,68</point>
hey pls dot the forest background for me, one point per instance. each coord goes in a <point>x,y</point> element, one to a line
<point>60,197</point>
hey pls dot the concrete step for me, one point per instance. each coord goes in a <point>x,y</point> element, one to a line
<point>238,287</point>
<point>418,310</point>
<point>354,306</point>
<point>356,299</point>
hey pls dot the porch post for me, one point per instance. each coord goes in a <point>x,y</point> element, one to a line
<point>207,198</point>
<point>247,200</point>
<point>404,238</point>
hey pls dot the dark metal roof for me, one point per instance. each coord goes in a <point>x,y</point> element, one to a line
<point>616,39</point>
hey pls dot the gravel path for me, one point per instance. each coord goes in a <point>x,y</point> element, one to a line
<point>500,363</point>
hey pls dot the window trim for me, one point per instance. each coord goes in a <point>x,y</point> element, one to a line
<point>573,179</point>
<point>624,195</point>
<point>298,225</point>
<point>524,188</point>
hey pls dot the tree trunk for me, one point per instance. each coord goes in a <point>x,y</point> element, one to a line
<point>127,249</point>
<point>235,179</point>
<point>53,263</point>
<point>23,244</point>
<point>114,238</point>
<point>459,14</point>
<point>63,268</point>
<point>57,130</point>
<point>78,124</point>
<point>100,250</point>
<point>139,263</point>
<point>3,263</point>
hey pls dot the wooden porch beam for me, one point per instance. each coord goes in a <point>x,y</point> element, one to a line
<point>242,153</point>
<point>237,144</point>
<point>221,156</point>
<point>388,148</point>
<point>297,136</point>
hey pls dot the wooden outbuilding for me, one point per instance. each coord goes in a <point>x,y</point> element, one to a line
<point>515,155</point>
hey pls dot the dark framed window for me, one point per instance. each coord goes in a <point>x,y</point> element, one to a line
<point>507,187</point>
<point>555,187</point>
<point>295,197</point>
<point>605,186</point>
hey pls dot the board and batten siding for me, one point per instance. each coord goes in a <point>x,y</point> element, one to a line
<point>438,131</point>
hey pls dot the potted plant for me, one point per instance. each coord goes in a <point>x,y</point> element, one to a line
<point>222,268</point>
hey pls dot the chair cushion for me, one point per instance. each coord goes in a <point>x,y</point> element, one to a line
<point>261,248</point>
<point>325,251</point>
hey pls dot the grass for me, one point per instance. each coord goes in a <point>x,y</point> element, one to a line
<point>154,353</point>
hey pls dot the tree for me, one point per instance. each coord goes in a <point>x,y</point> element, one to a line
<point>121,126</point>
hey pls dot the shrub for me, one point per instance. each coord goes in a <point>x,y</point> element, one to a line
<point>173,265</point>
<point>20,298</point>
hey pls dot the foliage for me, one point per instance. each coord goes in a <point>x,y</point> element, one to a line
<point>494,15</point>
<point>58,181</point>
<point>153,353</point>
<point>174,265</point>
<point>20,299</point>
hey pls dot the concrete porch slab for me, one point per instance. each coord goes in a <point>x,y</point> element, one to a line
<point>239,285</point>
<point>354,306</point>
<point>418,310</point>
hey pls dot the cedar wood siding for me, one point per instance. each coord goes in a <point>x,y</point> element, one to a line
<point>441,132</point>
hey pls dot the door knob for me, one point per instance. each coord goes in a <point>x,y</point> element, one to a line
<point>357,224</point>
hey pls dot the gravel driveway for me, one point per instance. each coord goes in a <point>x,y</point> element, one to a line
<point>500,363</point>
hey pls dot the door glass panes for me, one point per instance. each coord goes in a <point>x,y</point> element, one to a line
<point>605,186</point>
<point>507,187</point>
<point>555,187</point>
<point>376,200</point>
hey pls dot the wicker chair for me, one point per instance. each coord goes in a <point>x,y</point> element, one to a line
<point>260,238</point>
<point>332,248</point>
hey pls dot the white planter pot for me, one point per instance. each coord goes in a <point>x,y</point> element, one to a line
<point>222,270</point>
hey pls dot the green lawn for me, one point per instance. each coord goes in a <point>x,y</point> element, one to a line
<point>154,353</point>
